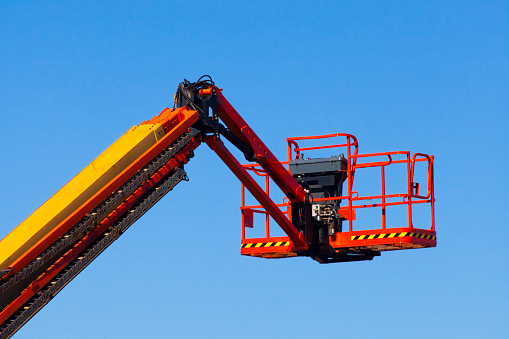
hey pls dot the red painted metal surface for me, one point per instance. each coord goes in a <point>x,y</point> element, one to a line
<point>392,239</point>
<point>265,158</point>
<point>270,251</point>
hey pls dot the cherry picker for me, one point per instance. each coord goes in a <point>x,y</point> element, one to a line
<point>317,215</point>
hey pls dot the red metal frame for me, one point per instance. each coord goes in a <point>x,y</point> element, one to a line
<point>296,237</point>
<point>266,160</point>
<point>264,156</point>
<point>384,238</point>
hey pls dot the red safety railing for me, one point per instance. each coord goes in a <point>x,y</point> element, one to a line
<point>248,211</point>
<point>352,201</point>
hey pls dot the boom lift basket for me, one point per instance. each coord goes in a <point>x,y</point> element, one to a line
<point>53,245</point>
<point>351,238</point>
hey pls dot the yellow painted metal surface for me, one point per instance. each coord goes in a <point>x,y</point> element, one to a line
<point>82,187</point>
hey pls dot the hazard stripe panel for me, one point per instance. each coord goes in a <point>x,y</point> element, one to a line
<point>266,244</point>
<point>393,235</point>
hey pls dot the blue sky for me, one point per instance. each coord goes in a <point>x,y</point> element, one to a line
<point>424,76</point>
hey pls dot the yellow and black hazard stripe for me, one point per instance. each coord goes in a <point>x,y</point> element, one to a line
<point>393,235</point>
<point>265,244</point>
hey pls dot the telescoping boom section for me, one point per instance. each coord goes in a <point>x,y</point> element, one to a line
<point>319,217</point>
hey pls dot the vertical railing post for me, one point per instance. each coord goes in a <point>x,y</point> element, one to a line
<point>410,188</point>
<point>350,183</point>
<point>242,204</point>
<point>432,196</point>
<point>382,169</point>
<point>267,217</point>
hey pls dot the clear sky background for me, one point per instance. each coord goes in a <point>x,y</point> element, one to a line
<point>424,76</point>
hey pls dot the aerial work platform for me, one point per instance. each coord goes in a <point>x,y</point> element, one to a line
<point>320,216</point>
<point>350,244</point>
